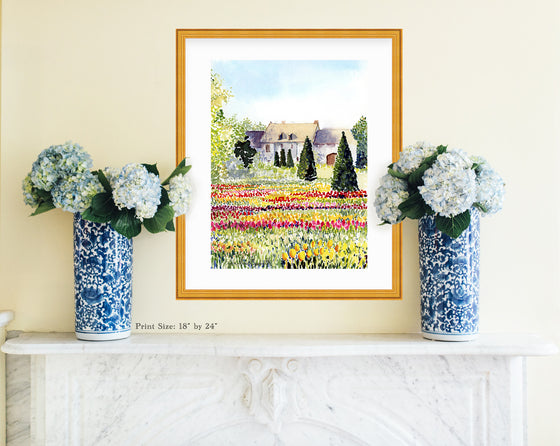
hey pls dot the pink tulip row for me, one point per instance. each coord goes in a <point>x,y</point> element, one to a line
<point>313,224</point>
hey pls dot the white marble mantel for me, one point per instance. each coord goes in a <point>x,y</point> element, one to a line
<point>291,390</point>
<point>6,316</point>
<point>280,345</point>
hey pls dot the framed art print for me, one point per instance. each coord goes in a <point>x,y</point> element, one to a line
<point>288,133</point>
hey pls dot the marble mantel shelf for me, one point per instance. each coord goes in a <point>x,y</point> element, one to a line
<point>281,345</point>
<point>270,390</point>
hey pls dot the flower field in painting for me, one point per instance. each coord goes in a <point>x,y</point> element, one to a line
<point>288,225</point>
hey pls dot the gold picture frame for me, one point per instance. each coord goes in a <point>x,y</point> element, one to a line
<point>392,39</point>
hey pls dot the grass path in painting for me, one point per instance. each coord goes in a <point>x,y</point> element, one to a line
<point>288,225</point>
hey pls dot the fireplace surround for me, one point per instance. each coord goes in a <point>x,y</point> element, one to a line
<point>368,389</point>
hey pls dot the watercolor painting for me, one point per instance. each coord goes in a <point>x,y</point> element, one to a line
<point>289,163</point>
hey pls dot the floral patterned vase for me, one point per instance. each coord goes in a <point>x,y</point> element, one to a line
<point>102,281</point>
<point>449,281</point>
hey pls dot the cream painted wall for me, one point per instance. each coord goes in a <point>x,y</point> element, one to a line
<point>481,75</point>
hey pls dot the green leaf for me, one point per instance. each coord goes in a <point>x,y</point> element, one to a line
<point>170,226</point>
<point>126,223</point>
<point>413,207</point>
<point>103,205</point>
<point>159,221</point>
<point>181,169</point>
<point>481,207</point>
<point>44,207</point>
<point>103,180</point>
<point>152,168</point>
<point>43,194</point>
<point>441,149</point>
<point>454,226</point>
<point>397,174</point>
<point>415,179</point>
<point>164,200</point>
<point>431,159</point>
<point>88,214</point>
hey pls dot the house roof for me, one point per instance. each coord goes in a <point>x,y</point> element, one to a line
<point>255,137</point>
<point>289,132</point>
<point>332,136</point>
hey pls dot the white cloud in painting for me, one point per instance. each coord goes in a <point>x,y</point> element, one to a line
<point>334,92</point>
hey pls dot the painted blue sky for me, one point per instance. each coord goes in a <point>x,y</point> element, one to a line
<point>331,91</point>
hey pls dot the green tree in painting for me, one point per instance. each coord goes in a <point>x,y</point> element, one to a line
<point>359,132</point>
<point>282,158</point>
<point>289,159</point>
<point>302,165</point>
<point>306,167</point>
<point>245,152</point>
<point>311,173</point>
<point>276,160</point>
<point>220,131</point>
<point>224,131</point>
<point>344,175</point>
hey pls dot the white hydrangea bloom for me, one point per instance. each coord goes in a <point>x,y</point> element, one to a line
<point>74,194</point>
<point>490,187</point>
<point>388,196</point>
<point>450,184</point>
<point>180,194</point>
<point>412,156</point>
<point>136,188</point>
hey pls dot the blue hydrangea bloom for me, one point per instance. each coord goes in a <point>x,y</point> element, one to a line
<point>412,156</point>
<point>74,194</point>
<point>180,194</point>
<point>111,173</point>
<point>136,188</point>
<point>450,184</point>
<point>57,163</point>
<point>490,187</point>
<point>388,196</point>
<point>30,196</point>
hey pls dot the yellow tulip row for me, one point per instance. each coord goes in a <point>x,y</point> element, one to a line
<point>327,255</point>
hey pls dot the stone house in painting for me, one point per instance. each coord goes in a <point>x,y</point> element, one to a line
<point>291,136</point>
<point>326,143</point>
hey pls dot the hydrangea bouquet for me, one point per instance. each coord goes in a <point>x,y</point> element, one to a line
<point>446,183</point>
<point>127,199</point>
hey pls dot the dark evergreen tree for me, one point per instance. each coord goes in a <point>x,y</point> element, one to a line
<point>311,172</point>
<point>306,167</point>
<point>359,132</point>
<point>282,158</point>
<point>245,152</point>
<point>302,165</point>
<point>289,160</point>
<point>344,175</point>
<point>276,159</point>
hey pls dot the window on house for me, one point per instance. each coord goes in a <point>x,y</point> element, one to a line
<point>282,136</point>
<point>267,148</point>
<point>293,136</point>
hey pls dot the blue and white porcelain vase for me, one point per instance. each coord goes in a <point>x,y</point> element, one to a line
<point>449,280</point>
<point>102,281</point>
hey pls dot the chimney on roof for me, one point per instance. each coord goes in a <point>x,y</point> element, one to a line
<point>316,122</point>
<point>283,122</point>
